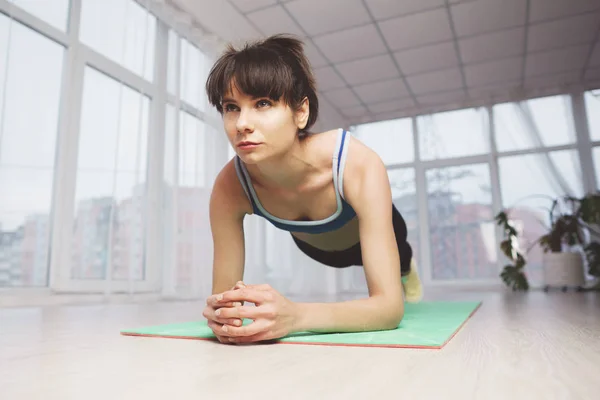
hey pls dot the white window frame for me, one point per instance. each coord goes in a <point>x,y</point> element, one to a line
<point>583,145</point>
<point>76,57</point>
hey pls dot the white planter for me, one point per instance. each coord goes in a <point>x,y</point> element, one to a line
<point>563,269</point>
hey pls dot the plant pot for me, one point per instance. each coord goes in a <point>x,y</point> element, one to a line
<point>563,269</point>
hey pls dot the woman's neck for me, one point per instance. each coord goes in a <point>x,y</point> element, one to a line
<point>288,170</point>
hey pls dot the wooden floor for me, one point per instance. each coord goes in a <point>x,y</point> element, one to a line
<point>532,346</point>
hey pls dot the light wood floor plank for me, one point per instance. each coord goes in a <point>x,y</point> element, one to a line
<point>523,346</point>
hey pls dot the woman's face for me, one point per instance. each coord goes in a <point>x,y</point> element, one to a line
<point>259,128</point>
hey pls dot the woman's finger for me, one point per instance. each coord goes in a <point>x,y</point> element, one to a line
<point>216,315</point>
<point>251,329</point>
<point>243,295</point>
<point>238,285</point>
<point>217,328</point>
<point>244,312</point>
<point>229,321</point>
<point>263,286</point>
<point>223,339</point>
<point>259,337</point>
<point>212,302</point>
<point>230,304</point>
<point>233,321</point>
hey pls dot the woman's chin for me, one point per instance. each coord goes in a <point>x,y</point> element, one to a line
<point>251,158</point>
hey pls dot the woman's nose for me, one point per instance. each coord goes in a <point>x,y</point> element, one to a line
<point>244,121</point>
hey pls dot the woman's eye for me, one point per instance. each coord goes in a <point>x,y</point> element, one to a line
<point>229,107</point>
<point>263,103</point>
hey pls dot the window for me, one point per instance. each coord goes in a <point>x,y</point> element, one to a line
<point>170,168</point>
<point>30,84</point>
<point>193,72</point>
<point>110,183</point>
<point>462,230</point>
<point>121,30</point>
<point>592,106</point>
<point>445,135</point>
<point>186,232</point>
<point>529,196</point>
<point>192,146</point>
<point>392,140</point>
<point>404,197</point>
<point>548,175</point>
<point>541,122</point>
<point>54,12</point>
<point>172,63</point>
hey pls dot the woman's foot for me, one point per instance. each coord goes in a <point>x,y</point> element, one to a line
<point>413,288</point>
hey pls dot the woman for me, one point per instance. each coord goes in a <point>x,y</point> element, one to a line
<point>327,189</point>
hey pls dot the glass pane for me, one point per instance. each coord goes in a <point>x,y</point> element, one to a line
<point>192,217</point>
<point>121,30</point>
<point>592,107</point>
<point>535,123</point>
<point>172,62</point>
<point>170,166</point>
<point>168,206</point>
<point>529,196</point>
<point>54,12</point>
<point>596,156</point>
<point>445,135</point>
<point>404,197</point>
<point>111,181</point>
<point>192,146</point>
<point>461,226</point>
<point>193,72</point>
<point>30,85</point>
<point>392,140</point>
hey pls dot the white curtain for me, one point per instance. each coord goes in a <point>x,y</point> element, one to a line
<point>553,171</point>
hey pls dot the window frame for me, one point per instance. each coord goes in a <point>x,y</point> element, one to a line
<point>77,56</point>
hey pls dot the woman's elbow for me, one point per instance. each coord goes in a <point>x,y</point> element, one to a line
<point>394,316</point>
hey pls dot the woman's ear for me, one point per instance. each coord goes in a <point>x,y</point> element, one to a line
<point>302,114</point>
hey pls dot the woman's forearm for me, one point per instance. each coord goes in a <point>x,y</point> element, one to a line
<point>369,314</point>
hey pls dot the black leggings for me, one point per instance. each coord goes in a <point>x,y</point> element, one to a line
<point>353,256</point>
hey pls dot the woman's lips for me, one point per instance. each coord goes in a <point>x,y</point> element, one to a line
<point>248,145</point>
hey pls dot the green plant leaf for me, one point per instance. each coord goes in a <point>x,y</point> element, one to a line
<point>514,278</point>
<point>520,262</point>
<point>592,254</point>
<point>589,208</point>
<point>507,249</point>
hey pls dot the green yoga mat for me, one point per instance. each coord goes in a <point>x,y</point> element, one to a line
<point>427,325</point>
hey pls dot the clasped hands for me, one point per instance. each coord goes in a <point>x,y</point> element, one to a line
<point>273,316</point>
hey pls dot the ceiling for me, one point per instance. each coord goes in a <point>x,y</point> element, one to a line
<point>384,59</point>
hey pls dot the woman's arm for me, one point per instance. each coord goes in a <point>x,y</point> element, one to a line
<point>367,189</point>
<point>227,210</point>
<point>228,206</point>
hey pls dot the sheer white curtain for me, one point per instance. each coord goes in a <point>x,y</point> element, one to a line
<point>542,133</point>
<point>533,124</point>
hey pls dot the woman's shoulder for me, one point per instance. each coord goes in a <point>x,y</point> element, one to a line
<point>324,143</point>
<point>327,144</point>
<point>227,187</point>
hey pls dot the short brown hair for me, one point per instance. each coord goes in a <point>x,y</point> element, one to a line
<point>275,67</point>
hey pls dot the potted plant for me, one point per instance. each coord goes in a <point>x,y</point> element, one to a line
<point>571,241</point>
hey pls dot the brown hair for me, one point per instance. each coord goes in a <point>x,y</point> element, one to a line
<point>275,67</point>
